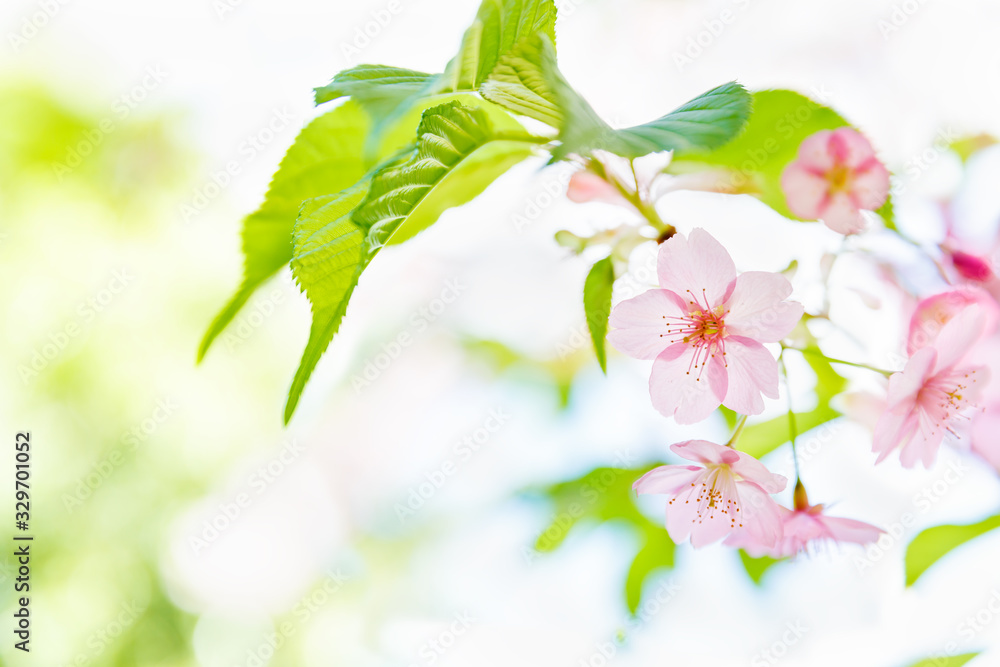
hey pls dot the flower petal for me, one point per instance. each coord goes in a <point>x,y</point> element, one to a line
<point>754,471</point>
<point>757,308</point>
<point>905,385</point>
<point>805,190</point>
<point>814,151</point>
<point>842,215</point>
<point>701,451</point>
<point>983,435</point>
<point>849,147</point>
<point>761,517</point>
<point>849,530</point>
<point>640,323</point>
<point>680,391</point>
<point>870,186</point>
<point>923,446</point>
<point>933,312</point>
<point>752,371</point>
<point>668,479</point>
<point>958,336</point>
<point>892,430</point>
<point>586,186</point>
<point>697,268</point>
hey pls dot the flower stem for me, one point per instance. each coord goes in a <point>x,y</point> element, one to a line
<point>738,432</point>
<point>635,197</point>
<point>819,355</point>
<point>793,430</point>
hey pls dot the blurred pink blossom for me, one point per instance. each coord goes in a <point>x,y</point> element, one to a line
<point>933,312</point>
<point>835,176</point>
<point>802,527</point>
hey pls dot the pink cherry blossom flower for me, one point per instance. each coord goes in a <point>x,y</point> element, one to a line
<point>933,312</point>
<point>705,330</point>
<point>728,491</point>
<point>933,393</point>
<point>835,176</point>
<point>804,526</point>
<point>800,528</point>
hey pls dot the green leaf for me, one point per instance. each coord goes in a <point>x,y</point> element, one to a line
<point>388,93</point>
<point>887,212</point>
<point>458,154</point>
<point>499,28</point>
<point>325,157</point>
<point>656,554</point>
<point>518,84</point>
<point>702,124</point>
<point>327,264</point>
<point>946,661</point>
<point>708,121</point>
<point>781,120</point>
<point>405,199</point>
<point>377,88</point>
<point>763,438</point>
<point>597,305</point>
<point>605,495</point>
<point>932,544</point>
<point>756,567</point>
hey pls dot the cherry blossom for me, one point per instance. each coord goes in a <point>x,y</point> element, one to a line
<point>705,328</point>
<point>835,176</point>
<point>933,312</point>
<point>933,393</point>
<point>804,526</point>
<point>730,490</point>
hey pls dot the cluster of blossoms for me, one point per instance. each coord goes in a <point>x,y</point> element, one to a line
<point>706,329</point>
